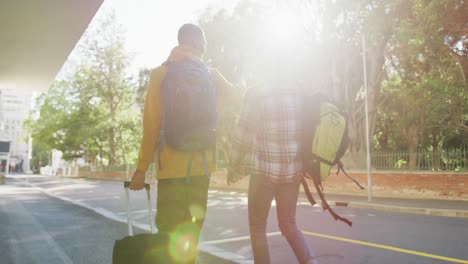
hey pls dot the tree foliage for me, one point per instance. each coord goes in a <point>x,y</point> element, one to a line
<point>416,61</point>
<point>425,91</point>
<point>417,67</point>
<point>92,112</point>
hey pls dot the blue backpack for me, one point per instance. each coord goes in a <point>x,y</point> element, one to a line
<point>188,110</point>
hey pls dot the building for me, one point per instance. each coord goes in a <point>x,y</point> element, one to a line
<point>14,109</point>
<point>36,39</point>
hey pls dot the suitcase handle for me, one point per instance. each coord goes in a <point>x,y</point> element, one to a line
<point>127,200</point>
<point>127,184</point>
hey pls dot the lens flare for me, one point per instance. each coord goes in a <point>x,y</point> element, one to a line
<point>197,212</point>
<point>183,242</point>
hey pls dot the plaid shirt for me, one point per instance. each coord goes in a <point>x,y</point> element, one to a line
<point>267,138</point>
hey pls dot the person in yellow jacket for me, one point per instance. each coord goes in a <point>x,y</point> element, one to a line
<point>181,204</point>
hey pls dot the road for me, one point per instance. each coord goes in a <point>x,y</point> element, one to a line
<point>57,220</point>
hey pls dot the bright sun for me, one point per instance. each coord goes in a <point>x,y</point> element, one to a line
<point>282,26</point>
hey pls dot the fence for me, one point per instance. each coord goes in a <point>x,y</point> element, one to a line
<point>455,159</point>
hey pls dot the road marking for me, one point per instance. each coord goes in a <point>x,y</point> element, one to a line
<point>402,250</point>
<point>136,212</point>
<point>211,250</point>
<point>28,241</point>
<point>349,215</point>
<point>235,239</point>
<point>98,198</point>
<point>369,244</point>
<point>308,204</point>
<point>111,215</point>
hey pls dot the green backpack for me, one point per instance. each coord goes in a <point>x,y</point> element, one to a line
<point>325,141</point>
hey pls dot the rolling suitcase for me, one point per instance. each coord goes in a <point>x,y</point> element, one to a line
<point>141,248</point>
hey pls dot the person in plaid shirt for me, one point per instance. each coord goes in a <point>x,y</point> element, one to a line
<point>266,145</point>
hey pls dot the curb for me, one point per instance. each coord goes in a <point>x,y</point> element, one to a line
<point>403,209</point>
<point>411,210</point>
<point>360,205</point>
<point>380,207</point>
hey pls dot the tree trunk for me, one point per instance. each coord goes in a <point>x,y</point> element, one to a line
<point>111,146</point>
<point>412,138</point>
<point>100,155</point>
<point>435,151</point>
<point>435,157</point>
<point>112,149</point>
<point>122,147</point>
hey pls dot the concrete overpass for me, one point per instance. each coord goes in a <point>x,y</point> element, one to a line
<point>36,38</point>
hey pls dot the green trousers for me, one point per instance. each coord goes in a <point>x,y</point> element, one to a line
<point>180,212</point>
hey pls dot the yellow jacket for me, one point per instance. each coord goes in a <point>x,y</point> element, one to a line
<point>174,163</point>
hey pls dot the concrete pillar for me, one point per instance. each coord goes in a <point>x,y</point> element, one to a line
<point>7,169</point>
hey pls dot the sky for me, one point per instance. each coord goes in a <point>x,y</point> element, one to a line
<point>152,25</point>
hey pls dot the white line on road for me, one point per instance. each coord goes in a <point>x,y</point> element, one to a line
<point>33,228</point>
<point>391,248</point>
<point>235,239</point>
<point>208,248</point>
<point>136,212</point>
<point>98,210</point>
<point>98,198</point>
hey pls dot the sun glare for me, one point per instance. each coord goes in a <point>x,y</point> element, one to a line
<point>282,26</point>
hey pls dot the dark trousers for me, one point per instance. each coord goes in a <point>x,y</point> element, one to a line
<point>261,193</point>
<point>180,212</point>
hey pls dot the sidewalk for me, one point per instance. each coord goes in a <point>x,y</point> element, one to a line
<point>40,222</point>
<point>450,208</point>
<point>427,206</point>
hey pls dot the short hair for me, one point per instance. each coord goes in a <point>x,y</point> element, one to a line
<point>191,35</point>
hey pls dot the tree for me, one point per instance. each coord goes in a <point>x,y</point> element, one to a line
<point>416,58</point>
<point>105,80</point>
<point>322,49</point>
<point>92,112</point>
<point>143,79</point>
<point>425,89</point>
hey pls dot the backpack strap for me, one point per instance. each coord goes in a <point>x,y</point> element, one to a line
<point>205,165</point>
<point>318,158</point>
<point>307,192</point>
<point>162,137</point>
<point>189,167</point>
<point>326,206</point>
<point>339,164</point>
<point>162,132</point>
<point>341,168</point>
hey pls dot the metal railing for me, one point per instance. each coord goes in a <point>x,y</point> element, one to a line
<point>453,159</point>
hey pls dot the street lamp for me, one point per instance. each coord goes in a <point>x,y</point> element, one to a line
<point>364,64</point>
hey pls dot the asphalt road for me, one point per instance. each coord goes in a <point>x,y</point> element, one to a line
<point>55,220</point>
